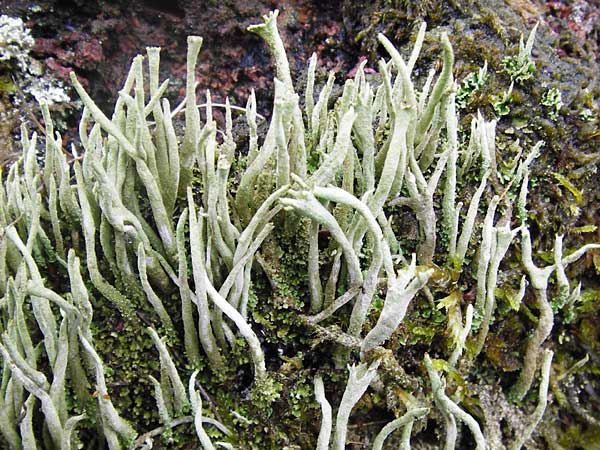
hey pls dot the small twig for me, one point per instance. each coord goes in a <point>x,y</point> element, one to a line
<point>366,424</point>
<point>573,368</point>
<point>145,319</point>
<point>26,107</point>
<point>174,423</point>
<point>14,222</point>
<point>334,334</point>
<point>181,108</point>
<point>211,402</point>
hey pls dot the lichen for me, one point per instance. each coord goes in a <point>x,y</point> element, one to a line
<point>226,290</point>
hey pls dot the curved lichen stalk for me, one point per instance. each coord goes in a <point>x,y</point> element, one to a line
<point>297,148</point>
<point>114,426</point>
<point>539,279</point>
<point>450,408</point>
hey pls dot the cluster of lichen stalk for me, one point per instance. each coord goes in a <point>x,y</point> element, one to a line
<point>383,144</point>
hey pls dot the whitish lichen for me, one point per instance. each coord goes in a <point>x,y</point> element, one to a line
<point>208,248</point>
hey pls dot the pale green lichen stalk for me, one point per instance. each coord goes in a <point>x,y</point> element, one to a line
<point>138,215</point>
